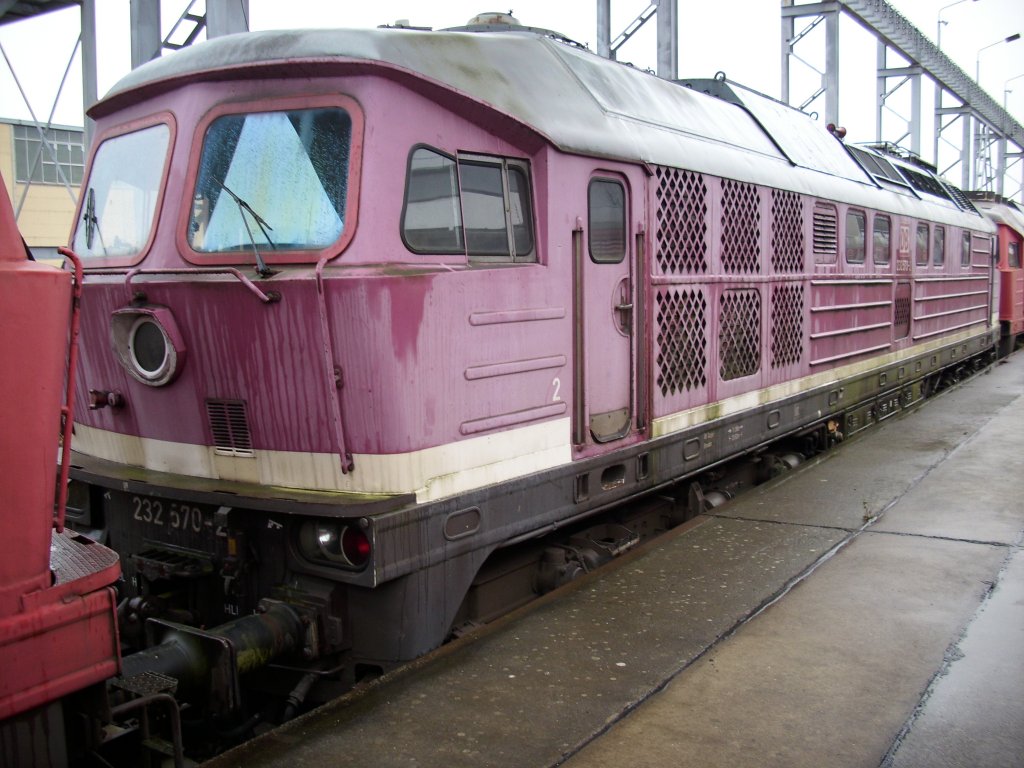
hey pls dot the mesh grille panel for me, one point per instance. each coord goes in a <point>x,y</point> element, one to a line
<point>787,325</point>
<point>682,340</point>
<point>741,223</point>
<point>739,334</point>
<point>787,232</point>
<point>682,222</point>
<point>229,426</point>
<point>901,311</point>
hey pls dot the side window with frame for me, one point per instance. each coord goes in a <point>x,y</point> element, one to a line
<point>855,236</point>
<point>1013,255</point>
<point>606,214</point>
<point>474,205</point>
<point>965,250</point>
<point>432,216</point>
<point>497,209</point>
<point>921,249</point>
<point>939,246</point>
<point>881,240</point>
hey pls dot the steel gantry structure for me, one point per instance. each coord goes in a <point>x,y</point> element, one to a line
<point>987,142</point>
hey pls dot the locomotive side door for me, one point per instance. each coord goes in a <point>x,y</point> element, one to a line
<point>604,313</point>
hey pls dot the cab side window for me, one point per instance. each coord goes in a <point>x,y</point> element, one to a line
<point>881,242</point>
<point>606,213</point>
<point>432,218</point>
<point>855,236</point>
<point>474,204</point>
<point>939,246</point>
<point>922,245</point>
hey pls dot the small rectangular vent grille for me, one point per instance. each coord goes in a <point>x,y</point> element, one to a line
<point>826,233</point>
<point>901,311</point>
<point>739,334</point>
<point>741,227</point>
<point>229,426</point>
<point>682,222</point>
<point>787,231</point>
<point>787,324</point>
<point>682,341</point>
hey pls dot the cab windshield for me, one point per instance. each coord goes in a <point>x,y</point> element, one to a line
<point>272,181</point>
<point>120,198</point>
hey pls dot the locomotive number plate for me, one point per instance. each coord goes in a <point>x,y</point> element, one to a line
<point>171,515</point>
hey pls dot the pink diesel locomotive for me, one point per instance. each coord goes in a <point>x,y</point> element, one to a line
<point>379,325</point>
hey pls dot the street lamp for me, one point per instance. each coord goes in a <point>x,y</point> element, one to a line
<point>977,62</point>
<point>941,24</point>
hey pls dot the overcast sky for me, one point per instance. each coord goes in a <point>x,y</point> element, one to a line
<point>740,37</point>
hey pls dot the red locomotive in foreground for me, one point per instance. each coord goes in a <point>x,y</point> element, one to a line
<point>381,329</point>
<point>58,627</point>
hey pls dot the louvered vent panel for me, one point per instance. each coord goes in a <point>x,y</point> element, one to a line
<point>229,426</point>
<point>682,340</point>
<point>787,325</point>
<point>682,222</point>
<point>739,334</point>
<point>741,227</point>
<point>826,232</point>
<point>787,231</point>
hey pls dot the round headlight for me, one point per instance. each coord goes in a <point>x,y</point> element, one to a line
<point>148,344</point>
<point>149,349</point>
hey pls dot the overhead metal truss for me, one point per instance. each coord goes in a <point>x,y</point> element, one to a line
<point>666,12</point>
<point>990,141</point>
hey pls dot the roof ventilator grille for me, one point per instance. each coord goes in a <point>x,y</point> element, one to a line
<point>229,426</point>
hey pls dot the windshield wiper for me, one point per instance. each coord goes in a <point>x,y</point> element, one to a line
<point>92,222</point>
<point>261,266</point>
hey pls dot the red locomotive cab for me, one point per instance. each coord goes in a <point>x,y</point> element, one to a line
<point>57,610</point>
<point>1011,279</point>
<point>1009,269</point>
<point>35,299</point>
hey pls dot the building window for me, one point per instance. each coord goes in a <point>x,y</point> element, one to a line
<point>855,231</point>
<point>881,241</point>
<point>63,155</point>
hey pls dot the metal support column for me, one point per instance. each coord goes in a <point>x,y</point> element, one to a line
<point>226,17</point>
<point>911,126</point>
<point>668,39</point>
<point>90,94</point>
<point>147,41</point>
<point>831,79</point>
<point>828,79</point>
<point>604,28</point>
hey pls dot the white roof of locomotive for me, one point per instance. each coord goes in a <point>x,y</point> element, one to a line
<point>580,102</point>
